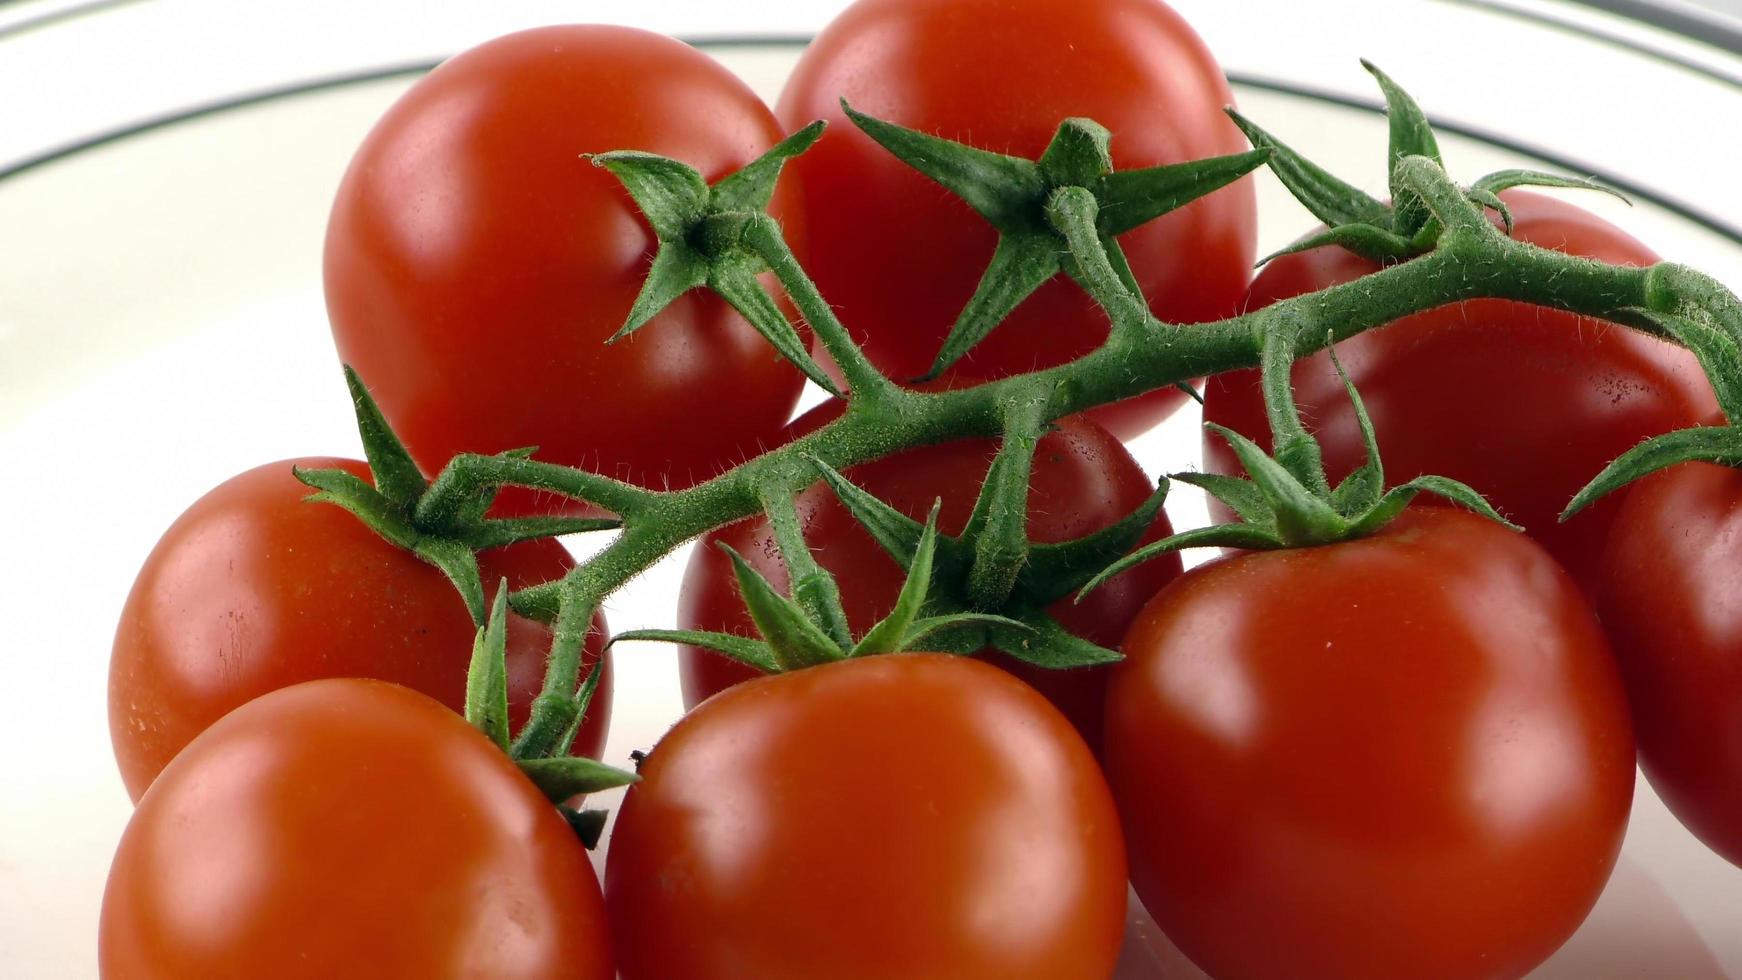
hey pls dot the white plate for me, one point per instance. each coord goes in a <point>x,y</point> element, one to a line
<point>161,328</point>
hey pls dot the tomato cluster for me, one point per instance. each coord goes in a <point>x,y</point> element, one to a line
<point>1407,753</point>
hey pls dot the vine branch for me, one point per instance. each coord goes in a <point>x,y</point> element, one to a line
<point>1475,260</point>
<point>1462,255</point>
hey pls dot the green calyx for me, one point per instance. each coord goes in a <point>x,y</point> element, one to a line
<point>396,505</point>
<point>1374,229</point>
<point>1017,622</point>
<point>792,639</point>
<point>444,524</point>
<point>1285,500</point>
<point>986,587</point>
<point>702,231</point>
<point>1720,354</point>
<point>1017,197</point>
<point>557,774</point>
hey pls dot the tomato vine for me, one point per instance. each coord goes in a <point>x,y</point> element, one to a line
<point>1056,209</point>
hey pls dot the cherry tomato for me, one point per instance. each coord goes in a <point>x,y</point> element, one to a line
<point>1667,597</point>
<point>345,826</point>
<point>1405,755</point>
<point>1082,481</point>
<point>1523,403</point>
<point>907,815</point>
<point>253,589</point>
<point>899,257</point>
<point>476,263</point>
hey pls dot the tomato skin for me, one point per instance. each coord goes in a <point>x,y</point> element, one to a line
<point>342,822</point>
<point>253,589</point>
<point>1667,598</point>
<point>899,257</point>
<point>476,263</point>
<point>1524,403</point>
<point>906,815</point>
<point>1406,755</point>
<point>1082,481</point>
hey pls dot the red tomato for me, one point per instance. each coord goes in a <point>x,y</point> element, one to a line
<point>1406,755</point>
<point>253,589</point>
<point>1523,403</point>
<point>342,827</point>
<point>907,815</point>
<point>1082,481</point>
<point>476,264</point>
<point>1667,594</point>
<point>899,257</point>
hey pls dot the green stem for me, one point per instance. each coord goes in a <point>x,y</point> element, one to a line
<point>811,585</point>
<point>999,524</point>
<point>1073,212</point>
<point>1291,444</point>
<point>1448,202</point>
<point>1162,355</point>
<point>763,235</point>
<point>468,474</point>
<point>555,711</point>
<point>1473,260</point>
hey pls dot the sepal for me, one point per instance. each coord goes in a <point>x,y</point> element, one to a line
<point>1056,570</point>
<point>795,640</point>
<point>1014,194</point>
<point>1372,229</point>
<point>892,632</point>
<point>1721,444</point>
<point>562,778</point>
<point>1410,136</point>
<point>750,653</point>
<point>1330,199</point>
<point>1038,639</point>
<point>700,232</point>
<point>487,674</point>
<point>397,477</point>
<point>751,188</point>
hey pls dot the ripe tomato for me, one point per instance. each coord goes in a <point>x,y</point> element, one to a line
<point>1523,403</point>
<point>342,826</point>
<point>907,815</point>
<point>253,589</point>
<point>476,264</point>
<point>899,257</point>
<point>1666,593</point>
<point>1405,755</point>
<point>1082,481</point>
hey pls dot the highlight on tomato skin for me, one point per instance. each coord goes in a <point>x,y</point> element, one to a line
<point>476,263</point>
<point>1404,755</point>
<point>1001,75</point>
<point>255,588</point>
<point>1666,592</point>
<point>1521,402</point>
<point>1083,480</point>
<point>899,815</point>
<point>344,825</point>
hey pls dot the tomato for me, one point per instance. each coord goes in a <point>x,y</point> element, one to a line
<point>906,815</point>
<point>899,257</point>
<point>476,263</point>
<point>1082,481</point>
<point>1666,594</point>
<point>253,589</point>
<point>346,822</point>
<point>1524,403</point>
<point>1404,755</point>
